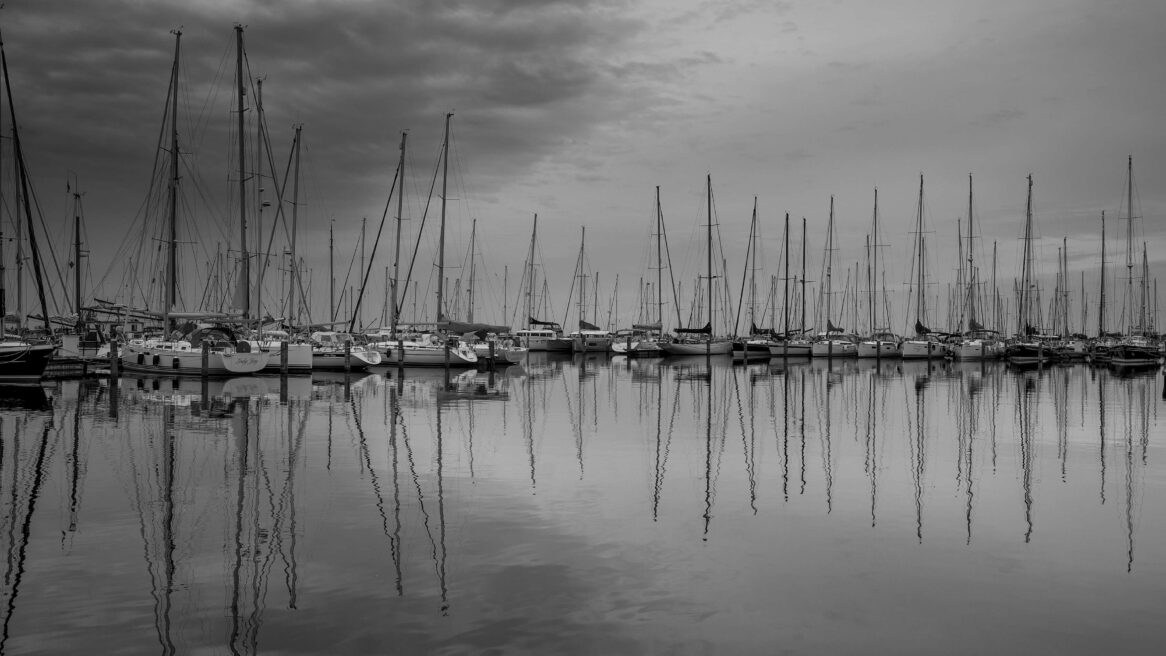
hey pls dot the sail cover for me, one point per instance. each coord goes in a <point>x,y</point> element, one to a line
<point>706,330</point>
<point>462,327</point>
<point>535,322</point>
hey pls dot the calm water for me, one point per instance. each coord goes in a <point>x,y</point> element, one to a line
<point>590,506</point>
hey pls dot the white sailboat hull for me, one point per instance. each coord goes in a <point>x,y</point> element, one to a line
<point>916,349</point>
<point>878,349</point>
<point>714,347</point>
<point>795,349</point>
<point>181,358</point>
<point>834,348</point>
<point>414,354</point>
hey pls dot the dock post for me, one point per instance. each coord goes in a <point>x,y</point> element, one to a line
<point>493,361</point>
<point>445,351</point>
<point>283,358</point>
<point>206,359</point>
<point>113,360</point>
<point>400,357</point>
<point>347,357</point>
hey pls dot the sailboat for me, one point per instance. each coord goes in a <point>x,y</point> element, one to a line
<point>786,346</point>
<point>756,345</point>
<point>831,343</point>
<point>22,360</point>
<point>924,345</point>
<point>1027,348</point>
<point>1135,349</point>
<point>538,335</point>
<point>433,349</point>
<point>643,341</point>
<point>214,349</point>
<point>977,342</point>
<point>882,343</point>
<point>700,341</point>
<point>589,338</point>
<point>284,353</point>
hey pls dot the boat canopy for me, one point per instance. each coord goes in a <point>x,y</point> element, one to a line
<point>707,329</point>
<point>535,322</point>
<point>462,327</point>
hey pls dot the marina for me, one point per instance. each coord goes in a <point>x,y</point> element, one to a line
<point>422,328</point>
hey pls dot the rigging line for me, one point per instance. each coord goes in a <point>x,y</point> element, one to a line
<point>364,281</point>
<point>424,216</point>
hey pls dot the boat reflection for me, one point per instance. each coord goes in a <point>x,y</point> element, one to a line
<point>24,397</point>
<point>240,500</point>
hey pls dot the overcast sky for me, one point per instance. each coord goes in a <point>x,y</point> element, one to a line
<point>577,110</point>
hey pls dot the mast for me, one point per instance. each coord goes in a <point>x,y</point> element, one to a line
<point>441,237</point>
<point>785,296</point>
<point>295,270</point>
<point>920,274</point>
<point>971,260</point>
<point>751,270</point>
<point>395,316</point>
<point>331,273</point>
<point>659,266</point>
<point>802,327</point>
<point>874,309</point>
<point>470,286</point>
<point>3,273</point>
<point>1026,268</point>
<point>1101,308</point>
<point>359,310</point>
<point>829,293</point>
<point>76,265</point>
<point>245,261</point>
<point>172,227</point>
<point>260,252</point>
<point>1143,317</point>
<point>709,243</point>
<point>530,274</point>
<point>1130,247</point>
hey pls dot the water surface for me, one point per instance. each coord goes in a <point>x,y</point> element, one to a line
<point>589,505</point>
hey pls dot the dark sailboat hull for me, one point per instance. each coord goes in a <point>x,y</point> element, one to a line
<point>24,363</point>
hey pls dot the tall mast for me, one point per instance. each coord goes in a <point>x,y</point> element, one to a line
<point>996,322</point>
<point>750,269</point>
<point>172,226</point>
<point>530,274</point>
<point>76,265</point>
<point>920,274</point>
<point>1101,307</point>
<point>1143,316</point>
<point>470,286</point>
<point>802,327</point>
<point>441,237</point>
<point>659,265</point>
<point>869,291</point>
<point>331,274</point>
<point>1026,272</point>
<point>260,251</point>
<point>3,273</point>
<point>1130,246</point>
<point>709,241</point>
<point>785,295</point>
<point>295,269</point>
<point>971,259</point>
<point>245,260</point>
<point>875,256</point>
<point>829,264</point>
<point>395,316</point>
